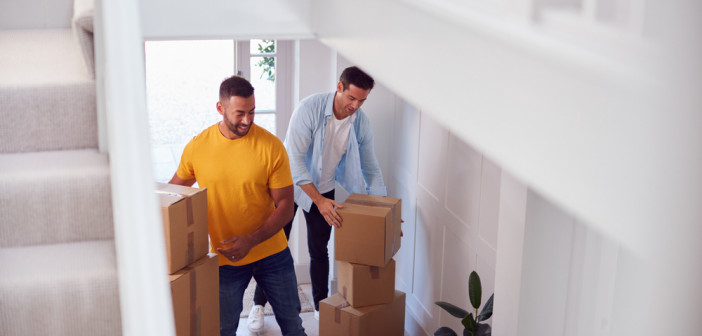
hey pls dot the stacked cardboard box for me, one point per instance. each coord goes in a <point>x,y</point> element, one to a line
<point>195,295</point>
<point>367,302</point>
<point>194,274</point>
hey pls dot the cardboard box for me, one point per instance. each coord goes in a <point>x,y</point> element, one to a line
<point>195,294</point>
<point>184,212</point>
<point>337,318</point>
<point>363,285</point>
<point>371,230</point>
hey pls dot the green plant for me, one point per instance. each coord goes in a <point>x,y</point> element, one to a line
<point>267,63</point>
<point>470,321</point>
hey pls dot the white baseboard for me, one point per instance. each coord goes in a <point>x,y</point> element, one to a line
<point>412,326</point>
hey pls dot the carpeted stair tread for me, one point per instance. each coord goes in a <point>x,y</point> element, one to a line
<point>62,289</point>
<point>47,94</point>
<point>54,197</point>
<point>41,57</point>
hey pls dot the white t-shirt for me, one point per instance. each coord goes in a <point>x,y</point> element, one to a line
<point>336,141</point>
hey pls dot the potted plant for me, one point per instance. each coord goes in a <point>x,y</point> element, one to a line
<point>471,320</point>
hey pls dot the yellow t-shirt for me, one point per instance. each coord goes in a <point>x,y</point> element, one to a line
<point>238,174</point>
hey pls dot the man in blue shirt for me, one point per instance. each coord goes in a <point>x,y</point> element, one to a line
<point>330,144</point>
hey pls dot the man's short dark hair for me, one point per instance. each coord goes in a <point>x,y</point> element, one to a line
<point>235,86</point>
<point>354,75</point>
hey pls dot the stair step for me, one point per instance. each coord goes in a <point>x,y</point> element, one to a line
<point>47,95</point>
<point>54,197</point>
<point>62,289</point>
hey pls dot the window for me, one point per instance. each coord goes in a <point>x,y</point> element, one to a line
<point>268,65</point>
<point>182,88</point>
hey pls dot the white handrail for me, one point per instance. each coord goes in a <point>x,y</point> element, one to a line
<point>144,290</point>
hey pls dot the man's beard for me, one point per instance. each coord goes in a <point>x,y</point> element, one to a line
<point>235,128</point>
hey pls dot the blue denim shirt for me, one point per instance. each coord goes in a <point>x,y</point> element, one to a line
<point>357,172</point>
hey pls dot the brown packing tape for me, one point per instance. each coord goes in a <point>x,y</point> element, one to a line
<point>198,323</point>
<point>194,330</point>
<point>189,206</point>
<point>337,311</point>
<point>190,253</point>
<point>375,272</point>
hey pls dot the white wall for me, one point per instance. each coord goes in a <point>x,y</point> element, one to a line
<point>451,196</point>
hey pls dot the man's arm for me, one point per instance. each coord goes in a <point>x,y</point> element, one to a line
<point>325,205</point>
<point>283,213</point>
<point>179,181</point>
<point>297,142</point>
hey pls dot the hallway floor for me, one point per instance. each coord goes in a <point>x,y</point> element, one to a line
<point>270,326</point>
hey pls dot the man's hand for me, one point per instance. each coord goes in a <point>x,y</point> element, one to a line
<point>326,208</point>
<point>240,247</point>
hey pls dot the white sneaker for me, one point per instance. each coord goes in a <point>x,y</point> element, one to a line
<point>316,315</point>
<point>255,320</point>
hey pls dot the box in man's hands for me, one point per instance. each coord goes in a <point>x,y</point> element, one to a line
<point>184,212</point>
<point>370,230</point>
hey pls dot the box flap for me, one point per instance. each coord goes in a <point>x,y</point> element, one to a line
<point>167,199</point>
<point>178,189</point>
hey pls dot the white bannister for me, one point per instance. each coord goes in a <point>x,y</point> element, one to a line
<point>144,290</point>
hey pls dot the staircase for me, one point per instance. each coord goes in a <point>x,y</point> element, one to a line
<point>58,270</point>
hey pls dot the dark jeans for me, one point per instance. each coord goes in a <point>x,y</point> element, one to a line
<point>259,296</point>
<point>276,274</point>
<point>318,233</point>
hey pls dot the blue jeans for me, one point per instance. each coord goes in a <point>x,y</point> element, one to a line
<point>259,297</point>
<point>276,275</point>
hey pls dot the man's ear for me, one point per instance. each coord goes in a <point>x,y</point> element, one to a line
<point>220,108</point>
<point>339,87</point>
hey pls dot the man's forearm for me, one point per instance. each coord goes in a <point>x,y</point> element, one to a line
<point>311,191</point>
<point>281,216</point>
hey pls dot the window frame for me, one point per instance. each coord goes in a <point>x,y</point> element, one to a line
<point>283,79</point>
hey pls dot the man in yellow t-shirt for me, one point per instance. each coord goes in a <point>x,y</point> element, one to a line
<point>249,198</point>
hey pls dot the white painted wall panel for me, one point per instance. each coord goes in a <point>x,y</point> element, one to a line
<point>404,266</point>
<point>485,267</point>
<point>489,202</point>
<point>428,259</point>
<point>406,142</point>
<point>433,140</point>
<point>457,265</point>
<point>548,238</point>
<point>380,109</point>
<point>508,266</point>
<point>463,173</point>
